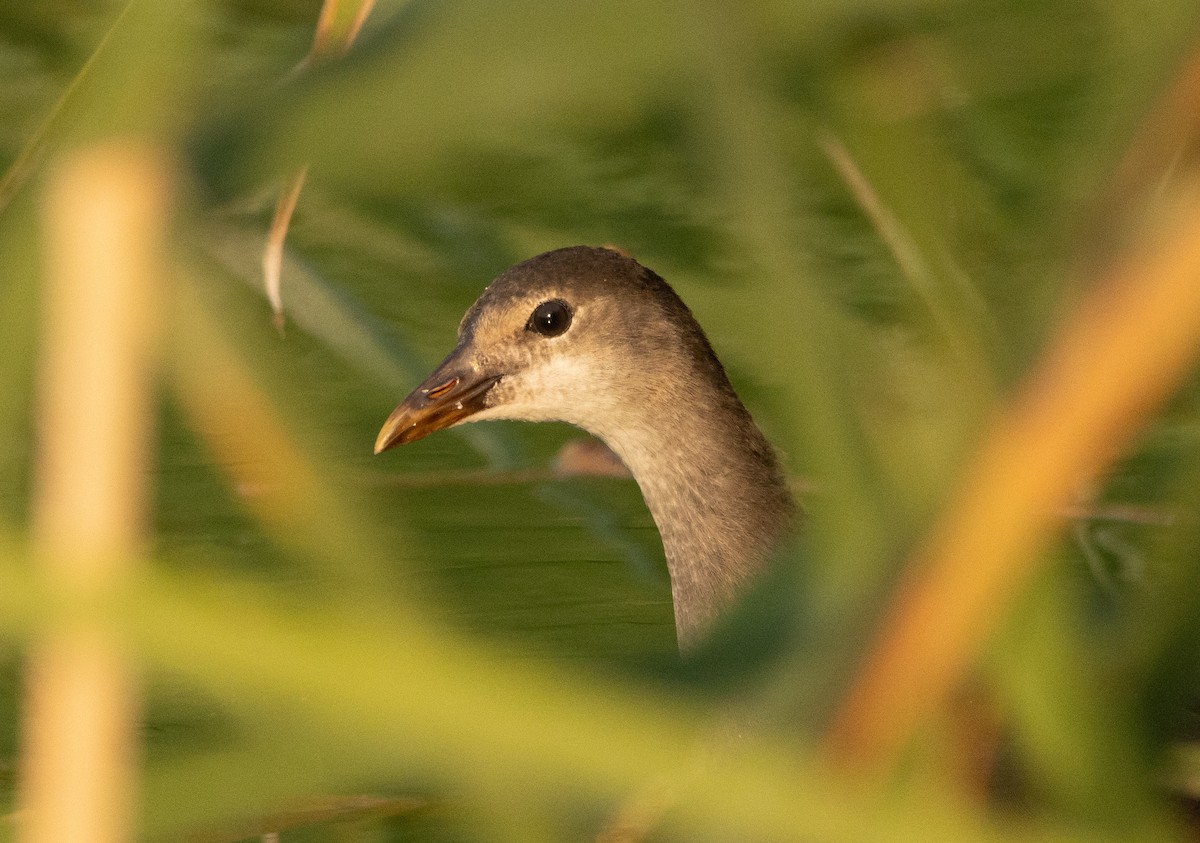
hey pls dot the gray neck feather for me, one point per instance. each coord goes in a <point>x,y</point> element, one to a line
<point>715,490</point>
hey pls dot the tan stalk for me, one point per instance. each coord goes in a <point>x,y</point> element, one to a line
<point>337,27</point>
<point>1115,360</point>
<point>103,219</point>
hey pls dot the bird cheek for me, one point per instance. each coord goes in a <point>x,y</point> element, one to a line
<point>482,364</point>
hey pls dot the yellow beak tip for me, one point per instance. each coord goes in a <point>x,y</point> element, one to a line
<point>385,440</point>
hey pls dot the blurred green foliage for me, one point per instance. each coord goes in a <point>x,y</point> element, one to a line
<point>878,209</point>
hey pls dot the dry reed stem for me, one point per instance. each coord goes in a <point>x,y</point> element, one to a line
<point>272,259</point>
<point>337,27</point>
<point>279,482</point>
<point>103,216</point>
<point>1166,144</point>
<point>1115,360</point>
<point>244,431</point>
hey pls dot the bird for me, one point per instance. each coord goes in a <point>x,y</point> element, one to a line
<point>589,336</point>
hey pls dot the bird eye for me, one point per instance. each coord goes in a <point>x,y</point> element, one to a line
<point>550,318</point>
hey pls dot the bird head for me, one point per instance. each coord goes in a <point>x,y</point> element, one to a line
<point>582,335</point>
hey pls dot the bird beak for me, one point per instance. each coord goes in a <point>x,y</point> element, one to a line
<point>445,398</point>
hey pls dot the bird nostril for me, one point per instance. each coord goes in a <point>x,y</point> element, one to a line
<point>441,389</point>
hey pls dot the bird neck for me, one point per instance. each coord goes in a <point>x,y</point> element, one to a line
<point>714,487</point>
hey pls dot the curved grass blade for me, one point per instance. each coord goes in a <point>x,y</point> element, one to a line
<point>337,27</point>
<point>339,320</point>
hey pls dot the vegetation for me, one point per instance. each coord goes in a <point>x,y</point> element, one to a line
<point>947,250</point>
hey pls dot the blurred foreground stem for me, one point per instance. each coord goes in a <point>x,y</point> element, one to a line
<point>103,216</point>
<point>1113,363</point>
